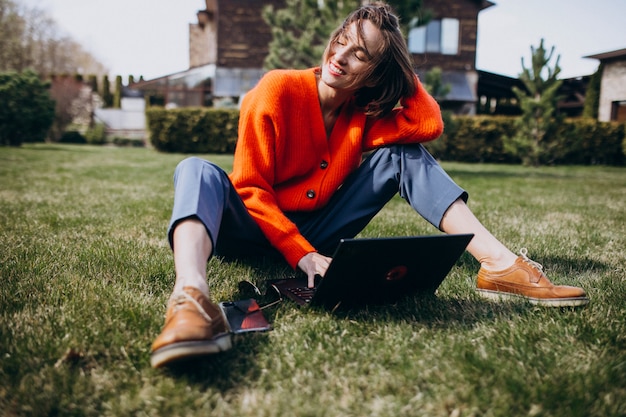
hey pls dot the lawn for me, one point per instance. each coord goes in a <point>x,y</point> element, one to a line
<point>86,271</point>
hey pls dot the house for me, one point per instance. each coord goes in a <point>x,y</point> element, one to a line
<point>572,93</point>
<point>227,47</point>
<point>612,86</point>
<point>128,121</point>
<point>448,41</point>
<point>495,94</point>
<point>228,44</point>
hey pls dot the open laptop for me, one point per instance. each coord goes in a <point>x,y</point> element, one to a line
<point>378,271</point>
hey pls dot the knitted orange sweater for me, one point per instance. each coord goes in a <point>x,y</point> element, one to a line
<point>285,162</point>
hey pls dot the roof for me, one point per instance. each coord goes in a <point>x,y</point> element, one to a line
<point>620,53</point>
<point>496,85</point>
<point>486,4</point>
<point>460,87</point>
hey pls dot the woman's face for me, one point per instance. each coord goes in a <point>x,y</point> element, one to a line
<point>350,56</point>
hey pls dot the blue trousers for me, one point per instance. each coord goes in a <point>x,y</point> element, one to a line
<point>203,191</point>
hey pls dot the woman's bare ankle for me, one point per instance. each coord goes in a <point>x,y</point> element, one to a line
<point>199,283</point>
<point>498,261</point>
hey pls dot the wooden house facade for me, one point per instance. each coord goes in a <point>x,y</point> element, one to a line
<point>229,42</point>
<point>448,40</point>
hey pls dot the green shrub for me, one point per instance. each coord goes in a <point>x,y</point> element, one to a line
<point>193,130</point>
<point>96,135</point>
<point>474,139</point>
<point>72,136</point>
<point>128,142</point>
<point>589,142</point>
<point>26,109</point>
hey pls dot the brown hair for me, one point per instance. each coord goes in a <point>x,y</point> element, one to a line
<point>391,75</point>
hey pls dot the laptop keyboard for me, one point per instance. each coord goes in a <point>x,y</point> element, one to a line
<point>304,293</point>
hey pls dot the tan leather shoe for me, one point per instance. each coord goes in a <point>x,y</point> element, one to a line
<point>525,279</point>
<point>194,326</point>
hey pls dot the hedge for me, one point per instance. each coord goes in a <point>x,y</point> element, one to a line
<point>578,141</point>
<point>466,138</point>
<point>474,139</point>
<point>193,130</point>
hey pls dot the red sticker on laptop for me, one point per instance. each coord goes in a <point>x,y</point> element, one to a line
<point>396,273</point>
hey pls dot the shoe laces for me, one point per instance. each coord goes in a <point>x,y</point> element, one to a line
<point>178,299</point>
<point>523,252</point>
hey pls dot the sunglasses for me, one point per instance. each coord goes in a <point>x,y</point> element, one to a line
<point>248,290</point>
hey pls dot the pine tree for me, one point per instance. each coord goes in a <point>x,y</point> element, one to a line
<point>534,141</point>
<point>117,95</point>
<point>92,80</point>
<point>107,97</point>
<point>300,31</point>
<point>411,13</point>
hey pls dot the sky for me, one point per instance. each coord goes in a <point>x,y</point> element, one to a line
<point>151,37</point>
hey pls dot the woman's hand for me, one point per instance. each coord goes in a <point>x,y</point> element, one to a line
<point>314,264</point>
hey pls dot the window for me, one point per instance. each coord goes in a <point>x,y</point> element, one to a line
<point>618,111</point>
<point>438,36</point>
<point>433,36</point>
<point>449,36</point>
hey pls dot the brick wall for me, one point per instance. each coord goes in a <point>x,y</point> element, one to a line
<point>243,36</point>
<point>202,44</point>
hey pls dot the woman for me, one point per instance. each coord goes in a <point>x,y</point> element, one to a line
<point>298,184</point>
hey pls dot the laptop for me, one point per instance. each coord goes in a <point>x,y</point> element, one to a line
<point>378,271</point>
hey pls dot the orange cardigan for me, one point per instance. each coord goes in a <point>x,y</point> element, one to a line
<point>284,161</point>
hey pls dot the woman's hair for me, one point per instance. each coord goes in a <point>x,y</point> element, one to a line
<point>391,75</point>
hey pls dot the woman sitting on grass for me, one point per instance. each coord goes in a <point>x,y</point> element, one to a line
<point>298,184</point>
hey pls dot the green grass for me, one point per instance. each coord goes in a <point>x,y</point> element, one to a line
<point>86,271</point>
